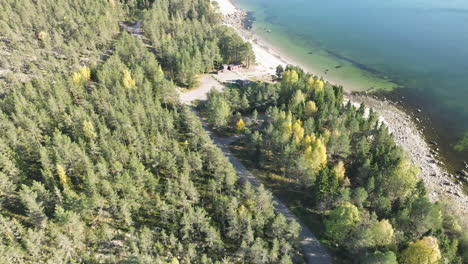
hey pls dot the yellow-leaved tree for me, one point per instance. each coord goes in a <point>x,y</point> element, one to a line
<point>111,3</point>
<point>62,175</point>
<point>316,154</point>
<point>88,130</point>
<point>308,139</point>
<point>174,261</point>
<point>82,76</point>
<point>424,251</point>
<point>290,76</point>
<point>340,171</point>
<point>285,125</point>
<point>297,132</point>
<point>127,80</point>
<point>310,83</point>
<point>318,85</point>
<point>325,136</point>
<point>159,73</point>
<point>42,35</point>
<point>310,108</point>
<point>240,125</point>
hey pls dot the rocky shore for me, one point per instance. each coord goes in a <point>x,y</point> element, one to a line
<point>441,185</point>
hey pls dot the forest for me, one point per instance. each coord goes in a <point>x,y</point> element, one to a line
<point>372,205</point>
<point>187,37</point>
<point>41,38</point>
<point>99,163</point>
<point>198,45</point>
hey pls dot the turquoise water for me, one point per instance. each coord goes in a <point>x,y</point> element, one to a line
<point>419,46</point>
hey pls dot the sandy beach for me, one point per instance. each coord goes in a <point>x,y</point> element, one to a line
<point>441,185</point>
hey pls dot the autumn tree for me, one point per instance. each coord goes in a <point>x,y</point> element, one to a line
<point>127,80</point>
<point>82,76</point>
<point>424,251</point>
<point>290,77</point>
<point>240,125</point>
<point>318,86</point>
<point>310,108</point>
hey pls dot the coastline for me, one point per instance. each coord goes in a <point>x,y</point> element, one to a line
<point>441,185</point>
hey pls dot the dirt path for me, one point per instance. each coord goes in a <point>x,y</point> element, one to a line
<point>207,82</point>
<point>313,251</point>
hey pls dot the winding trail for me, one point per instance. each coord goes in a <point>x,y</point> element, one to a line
<point>313,251</point>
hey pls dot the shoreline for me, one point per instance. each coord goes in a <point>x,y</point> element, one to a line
<point>441,185</point>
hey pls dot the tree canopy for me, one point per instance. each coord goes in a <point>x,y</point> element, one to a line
<point>368,194</point>
<point>99,163</point>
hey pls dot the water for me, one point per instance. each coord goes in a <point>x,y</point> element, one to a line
<point>416,48</point>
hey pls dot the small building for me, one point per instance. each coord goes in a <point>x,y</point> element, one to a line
<point>235,66</point>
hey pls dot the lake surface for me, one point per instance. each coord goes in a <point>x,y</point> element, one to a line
<point>419,47</point>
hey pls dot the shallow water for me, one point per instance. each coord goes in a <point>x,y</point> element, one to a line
<point>419,46</point>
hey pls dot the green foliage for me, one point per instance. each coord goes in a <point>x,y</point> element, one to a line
<point>424,251</point>
<point>381,258</point>
<point>41,38</point>
<point>327,185</point>
<point>189,39</point>
<point>218,110</point>
<point>347,165</point>
<point>101,164</point>
<point>420,217</point>
<point>401,182</point>
<point>104,171</point>
<point>341,222</point>
<point>381,234</point>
